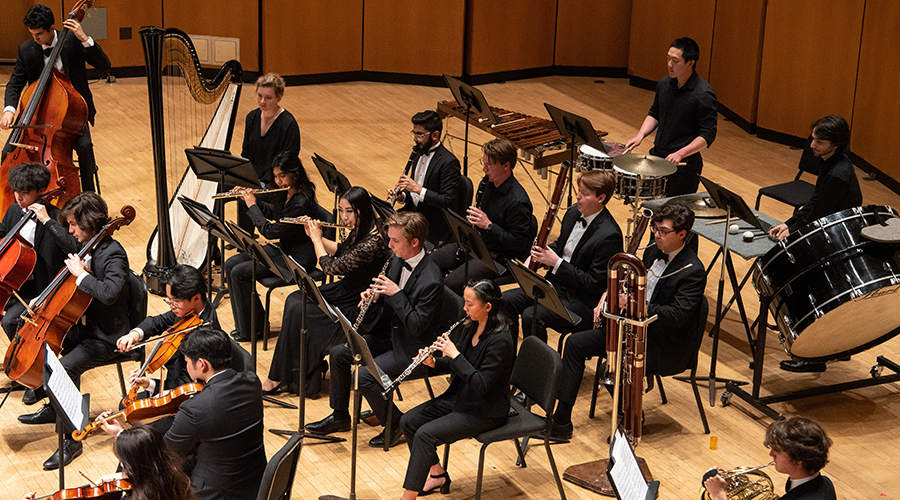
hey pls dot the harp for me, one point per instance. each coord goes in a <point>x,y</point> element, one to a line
<point>186,111</point>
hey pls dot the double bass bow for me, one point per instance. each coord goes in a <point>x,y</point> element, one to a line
<point>51,115</point>
<point>54,312</point>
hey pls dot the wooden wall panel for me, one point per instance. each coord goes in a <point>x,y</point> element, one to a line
<point>810,56</point>
<point>876,107</point>
<point>655,23</point>
<point>126,14</point>
<point>310,36</point>
<point>229,18</point>
<point>509,35</point>
<point>12,31</point>
<point>593,33</point>
<point>737,54</point>
<point>415,37</point>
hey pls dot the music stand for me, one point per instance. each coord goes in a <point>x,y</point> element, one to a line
<point>308,291</point>
<point>575,128</point>
<point>67,401</point>
<point>382,208</point>
<point>210,222</point>
<point>362,357</point>
<point>470,242</point>
<point>335,181</point>
<point>470,97</point>
<point>624,473</point>
<point>541,292</point>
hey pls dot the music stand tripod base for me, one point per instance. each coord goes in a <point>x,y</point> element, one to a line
<point>592,475</point>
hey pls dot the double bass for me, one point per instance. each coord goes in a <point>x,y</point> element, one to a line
<point>54,312</point>
<point>51,115</point>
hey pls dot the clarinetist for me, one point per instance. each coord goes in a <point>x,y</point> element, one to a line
<point>478,397</point>
<point>410,295</point>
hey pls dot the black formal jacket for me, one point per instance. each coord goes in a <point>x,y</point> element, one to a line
<point>513,225</point>
<point>480,374</point>
<point>676,300</point>
<point>414,311</point>
<point>107,316</point>
<point>74,55</point>
<point>819,488</point>
<point>176,367</point>
<point>223,426</point>
<point>582,281</point>
<point>442,191</point>
<point>51,250</point>
<point>292,237</point>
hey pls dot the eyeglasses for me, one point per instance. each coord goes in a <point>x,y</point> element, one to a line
<point>419,135</point>
<point>661,230</point>
<point>174,302</point>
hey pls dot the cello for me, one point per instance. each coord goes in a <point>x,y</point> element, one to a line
<point>54,312</point>
<point>51,115</point>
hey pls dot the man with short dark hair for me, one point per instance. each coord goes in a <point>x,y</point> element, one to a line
<point>34,54</point>
<point>433,180</point>
<point>409,311</point>
<point>684,117</point>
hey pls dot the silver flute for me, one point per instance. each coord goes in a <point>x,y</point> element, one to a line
<point>418,360</point>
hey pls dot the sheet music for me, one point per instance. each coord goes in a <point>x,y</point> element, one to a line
<point>625,472</point>
<point>63,389</point>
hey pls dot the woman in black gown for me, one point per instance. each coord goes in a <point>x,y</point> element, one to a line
<point>358,259</point>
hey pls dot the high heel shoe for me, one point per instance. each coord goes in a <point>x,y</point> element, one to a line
<point>444,487</point>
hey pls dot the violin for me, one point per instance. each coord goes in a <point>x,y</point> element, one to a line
<point>112,489</point>
<point>166,347</point>
<point>55,310</point>
<point>148,409</point>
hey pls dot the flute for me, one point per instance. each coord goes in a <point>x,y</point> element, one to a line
<point>304,220</point>
<point>222,196</point>
<point>416,362</point>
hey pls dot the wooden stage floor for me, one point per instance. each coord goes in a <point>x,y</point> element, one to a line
<point>364,129</point>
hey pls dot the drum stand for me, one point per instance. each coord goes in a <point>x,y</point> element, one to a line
<point>762,403</point>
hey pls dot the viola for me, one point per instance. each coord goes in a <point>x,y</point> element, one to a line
<point>51,115</point>
<point>148,409</point>
<point>112,489</point>
<point>17,256</point>
<point>167,346</point>
<point>55,310</point>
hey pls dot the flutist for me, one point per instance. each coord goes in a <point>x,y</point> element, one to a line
<point>480,363</point>
<point>408,304</point>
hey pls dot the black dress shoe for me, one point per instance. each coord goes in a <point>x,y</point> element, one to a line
<point>562,431</point>
<point>71,449</point>
<point>32,396</point>
<point>328,425</point>
<point>45,415</point>
<point>520,398</point>
<point>236,335</point>
<point>791,365</point>
<point>396,438</point>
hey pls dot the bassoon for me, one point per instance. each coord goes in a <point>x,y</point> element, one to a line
<point>543,234</point>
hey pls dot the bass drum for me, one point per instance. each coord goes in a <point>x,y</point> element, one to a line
<point>833,292</point>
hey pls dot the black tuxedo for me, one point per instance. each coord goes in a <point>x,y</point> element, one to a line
<point>408,321</point>
<point>580,282</point>
<point>442,191</point>
<point>223,426</point>
<point>819,488</point>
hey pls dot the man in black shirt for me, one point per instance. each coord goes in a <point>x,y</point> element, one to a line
<point>503,214</point>
<point>684,110</point>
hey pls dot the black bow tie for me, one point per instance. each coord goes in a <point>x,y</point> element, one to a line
<point>581,221</point>
<point>787,485</point>
<point>406,265</point>
<point>48,51</point>
<point>663,257</point>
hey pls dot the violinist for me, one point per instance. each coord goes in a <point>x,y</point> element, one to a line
<point>92,340</point>
<point>186,292</point>
<point>221,425</point>
<point>28,181</point>
<point>78,51</point>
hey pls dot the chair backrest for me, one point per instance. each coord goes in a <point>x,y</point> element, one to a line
<point>466,191</point>
<point>241,361</point>
<point>697,339</point>
<point>278,479</point>
<point>808,161</point>
<point>325,215</point>
<point>538,372</point>
<point>451,310</point>
<point>137,299</point>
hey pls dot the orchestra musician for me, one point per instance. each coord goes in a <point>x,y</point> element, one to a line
<point>186,292</point>
<point>684,117</point>
<point>222,425</point>
<point>799,446</point>
<point>269,130</point>
<point>33,56</point>
<point>28,181</point>
<point>503,214</point>
<point>577,259</point>
<point>358,259</point>
<point>676,282</point>
<point>412,292</point>
<point>433,181</point>
<point>288,172</point>
<point>92,342</point>
<point>477,399</point>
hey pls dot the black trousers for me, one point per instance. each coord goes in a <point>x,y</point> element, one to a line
<point>579,347</point>
<point>686,179</point>
<point>239,275</point>
<point>517,301</point>
<point>448,262</point>
<point>432,424</point>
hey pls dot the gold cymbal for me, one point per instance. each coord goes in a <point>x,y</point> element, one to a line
<point>702,205</point>
<point>644,165</point>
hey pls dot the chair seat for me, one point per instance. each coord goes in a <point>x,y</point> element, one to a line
<point>524,423</point>
<point>273,282</point>
<point>795,193</point>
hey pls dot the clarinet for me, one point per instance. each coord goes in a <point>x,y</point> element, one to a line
<point>480,193</point>
<point>413,159</point>
<point>369,300</point>
<point>416,362</point>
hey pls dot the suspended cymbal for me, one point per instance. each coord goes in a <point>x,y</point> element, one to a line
<point>644,165</point>
<point>701,204</point>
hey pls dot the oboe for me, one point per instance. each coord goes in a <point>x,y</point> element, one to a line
<point>413,159</point>
<point>416,362</point>
<point>370,299</point>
